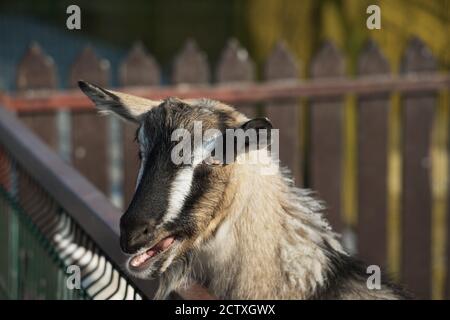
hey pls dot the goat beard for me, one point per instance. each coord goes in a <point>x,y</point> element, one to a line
<point>176,276</point>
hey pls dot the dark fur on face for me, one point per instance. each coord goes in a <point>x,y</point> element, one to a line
<point>174,204</point>
<point>143,223</point>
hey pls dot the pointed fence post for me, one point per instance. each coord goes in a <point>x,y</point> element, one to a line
<point>236,68</point>
<point>139,68</point>
<point>326,141</point>
<point>36,72</point>
<point>372,138</point>
<point>285,113</point>
<point>418,114</point>
<point>191,66</point>
<point>90,130</point>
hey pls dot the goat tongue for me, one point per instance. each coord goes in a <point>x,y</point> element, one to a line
<point>164,244</point>
<point>160,246</point>
<point>141,258</point>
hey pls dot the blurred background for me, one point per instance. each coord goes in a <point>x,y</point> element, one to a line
<point>379,160</point>
<point>164,26</point>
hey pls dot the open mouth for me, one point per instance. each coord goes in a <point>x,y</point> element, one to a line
<point>141,260</point>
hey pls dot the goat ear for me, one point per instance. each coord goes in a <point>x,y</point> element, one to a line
<point>257,123</point>
<point>126,106</point>
<point>262,138</point>
<point>263,128</point>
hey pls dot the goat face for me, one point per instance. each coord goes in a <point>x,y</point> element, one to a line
<point>174,206</point>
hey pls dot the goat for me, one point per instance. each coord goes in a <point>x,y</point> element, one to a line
<point>240,233</point>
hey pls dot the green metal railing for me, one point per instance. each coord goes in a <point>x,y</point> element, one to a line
<point>30,267</point>
<point>55,227</point>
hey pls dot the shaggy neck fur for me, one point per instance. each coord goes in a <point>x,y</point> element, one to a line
<point>270,242</point>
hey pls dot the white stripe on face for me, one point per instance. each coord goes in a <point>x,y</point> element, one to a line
<point>143,143</point>
<point>140,173</point>
<point>181,186</point>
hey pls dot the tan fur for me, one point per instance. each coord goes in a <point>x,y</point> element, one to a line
<point>259,246</point>
<point>135,105</point>
<point>255,230</point>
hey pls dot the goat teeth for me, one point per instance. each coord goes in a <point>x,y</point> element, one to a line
<point>140,259</point>
<point>159,247</point>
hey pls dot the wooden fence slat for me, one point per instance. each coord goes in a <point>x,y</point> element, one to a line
<point>285,113</point>
<point>326,116</point>
<point>372,161</point>
<point>447,217</point>
<point>87,66</point>
<point>418,111</point>
<point>139,68</point>
<point>37,71</point>
<point>236,67</point>
<point>235,64</point>
<point>191,65</point>
<point>89,130</point>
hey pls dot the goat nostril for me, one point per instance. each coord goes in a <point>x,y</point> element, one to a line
<point>146,231</point>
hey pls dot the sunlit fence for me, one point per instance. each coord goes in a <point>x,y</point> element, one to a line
<point>374,145</point>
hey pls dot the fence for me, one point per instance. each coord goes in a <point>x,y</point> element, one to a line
<point>52,218</point>
<point>374,146</point>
